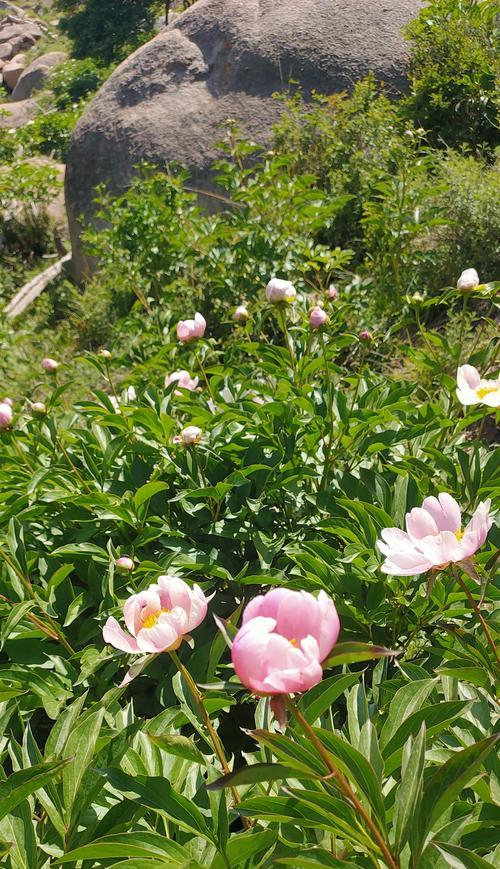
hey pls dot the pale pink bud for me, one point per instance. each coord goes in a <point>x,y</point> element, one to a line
<point>184,379</point>
<point>318,318</point>
<point>105,354</point>
<point>191,330</point>
<point>38,408</point>
<point>284,637</point>
<point>191,435</point>
<point>468,280</point>
<point>6,415</point>
<point>124,562</point>
<point>278,291</point>
<point>365,336</point>
<point>158,618</point>
<point>332,293</point>
<point>241,314</point>
<point>433,537</point>
<point>8,401</point>
<point>50,364</point>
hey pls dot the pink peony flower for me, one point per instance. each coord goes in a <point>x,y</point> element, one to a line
<point>49,364</point>
<point>38,408</point>
<point>124,562</point>
<point>6,415</point>
<point>332,293</point>
<point>468,280</point>
<point>191,330</point>
<point>241,313</point>
<point>158,618</point>
<point>278,290</point>
<point>433,537</point>
<point>473,389</point>
<point>284,637</point>
<point>318,318</point>
<point>184,379</point>
<point>191,435</point>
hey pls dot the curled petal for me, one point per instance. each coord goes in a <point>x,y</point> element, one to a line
<point>116,636</point>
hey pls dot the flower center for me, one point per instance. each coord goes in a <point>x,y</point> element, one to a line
<point>293,642</point>
<point>458,534</point>
<point>485,390</point>
<point>151,620</point>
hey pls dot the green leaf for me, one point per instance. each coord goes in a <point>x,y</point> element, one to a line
<point>442,789</point>
<point>316,859</point>
<point>155,792</point>
<point>259,772</point>
<point>137,844</point>
<point>460,858</point>
<point>21,784</point>
<point>409,790</point>
<point>352,763</point>
<point>180,746</point>
<point>318,699</point>
<point>352,653</point>
<point>80,747</point>
<point>146,492</point>
<point>246,846</point>
<point>407,700</point>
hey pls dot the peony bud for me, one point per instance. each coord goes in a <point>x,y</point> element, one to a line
<point>184,379</point>
<point>365,336</point>
<point>191,330</point>
<point>468,280</point>
<point>38,408</point>
<point>191,435</point>
<point>280,291</point>
<point>8,401</point>
<point>105,354</point>
<point>318,318</point>
<point>49,364</point>
<point>241,314</point>
<point>5,415</point>
<point>332,293</point>
<point>124,563</point>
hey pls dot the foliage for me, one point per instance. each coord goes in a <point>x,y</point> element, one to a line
<point>50,133</point>
<point>456,72</point>
<point>76,80</point>
<point>107,30</point>
<point>308,450</point>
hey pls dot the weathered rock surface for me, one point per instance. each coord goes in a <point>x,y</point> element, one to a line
<point>224,59</point>
<point>17,114</point>
<point>36,74</point>
<point>13,70</point>
<point>5,51</point>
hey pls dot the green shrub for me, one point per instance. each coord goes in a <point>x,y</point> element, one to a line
<point>50,133</point>
<point>76,80</point>
<point>456,72</point>
<point>107,30</point>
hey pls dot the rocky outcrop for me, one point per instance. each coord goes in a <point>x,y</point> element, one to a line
<point>36,74</point>
<point>225,59</point>
<point>13,70</point>
<point>17,114</point>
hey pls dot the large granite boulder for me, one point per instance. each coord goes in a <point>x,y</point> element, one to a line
<point>224,59</point>
<point>17,114</point>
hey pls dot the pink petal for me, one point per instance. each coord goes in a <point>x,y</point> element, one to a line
<point>406,563</point>
<point>164,635</point>
<point>395,538</point>
<point>200,324</point>
<point>468,377</point>
<point>116,636</point>
<point>298,616</point>
<point>184,330</point>
<point>330,625</point>
<point>445,511</point>
<point>248,653</point>
<point>419,523</point>
<point>441,549</point>
<point>476,531</point>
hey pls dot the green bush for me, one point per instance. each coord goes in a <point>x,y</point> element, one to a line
<point>455,68</point>
<point>107,30</point>
<point>50,133</point>
<point>76,80</point>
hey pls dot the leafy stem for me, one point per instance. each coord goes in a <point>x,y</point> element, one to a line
<point>342,783</point>
<point>477,611</point>
<point>329,445</point>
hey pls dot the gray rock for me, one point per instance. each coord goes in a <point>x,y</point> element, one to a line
<point>224,59</point>
<point>6,51</point>
<point>13,70</point>
<point>26,30</point>
<point>35,75</point>
<point>17,114</point>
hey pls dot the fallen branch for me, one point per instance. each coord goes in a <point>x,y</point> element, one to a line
<point>33,288</point>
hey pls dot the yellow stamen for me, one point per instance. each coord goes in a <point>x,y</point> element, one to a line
<point>458,534</point>
<point>293,642</point>
<point>485,390</point>
<point>151,620</point>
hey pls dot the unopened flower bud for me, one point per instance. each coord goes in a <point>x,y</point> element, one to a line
<point>278,290</point>
<point>50,364</point>
<point>318,318</point>
<point>191,435</point>
<point>241,314</point>
<point>105,354</point>
<point>365,336</point>
<point>8,401</point>
<point>124,563</point>
<point>468,280</point>
<point>38,408</point>
<point>5,415</point>
<point>332,293</point>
